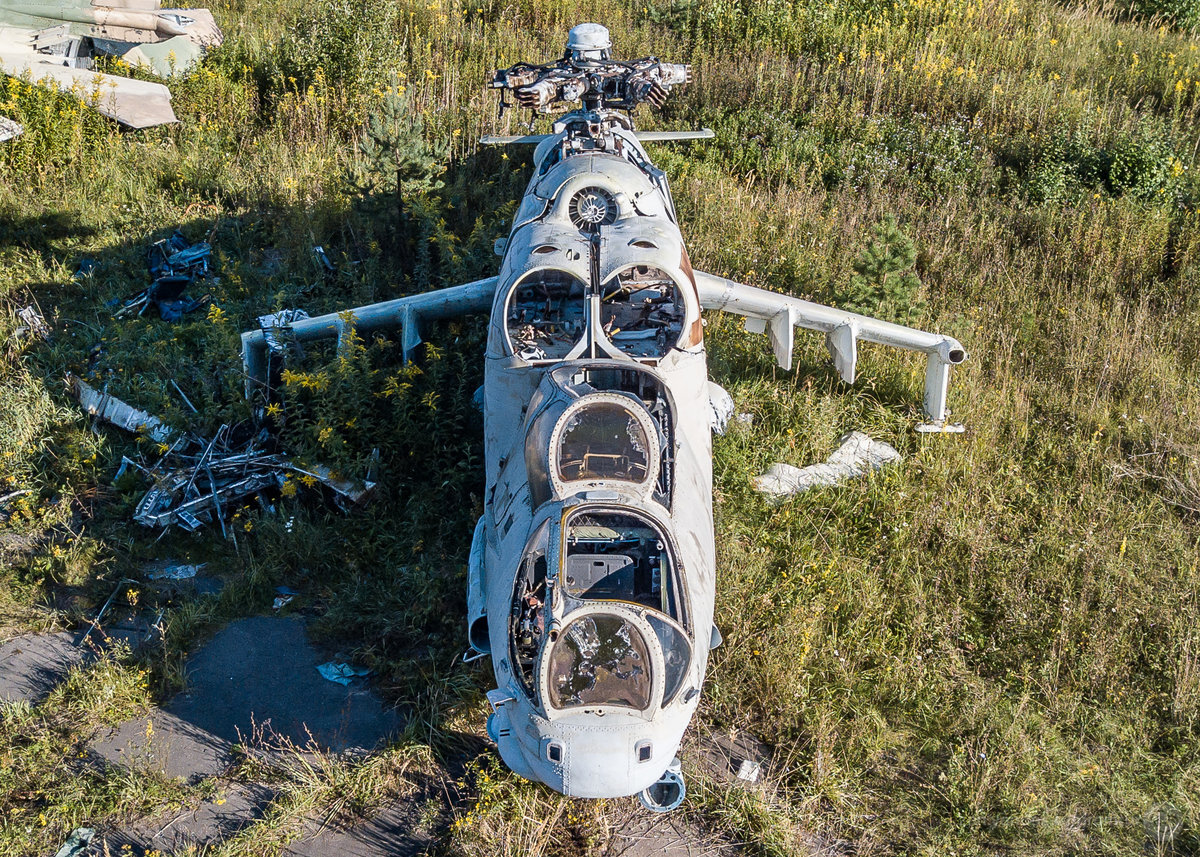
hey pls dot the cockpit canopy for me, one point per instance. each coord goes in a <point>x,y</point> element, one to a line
<point>600,425</point>
<point>605,437</point>
<point>599,659</point>
<point>603,623</point>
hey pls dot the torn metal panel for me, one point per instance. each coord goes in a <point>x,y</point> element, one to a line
<point>32,324</point>
<point>277,327</point>
<point>10,129</point>
<point>857,455</point>
<point>112,410</point>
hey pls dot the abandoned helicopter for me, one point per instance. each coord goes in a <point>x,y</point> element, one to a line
<point>592,573</point>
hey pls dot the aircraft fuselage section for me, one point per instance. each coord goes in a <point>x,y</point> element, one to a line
<point>592,572</point>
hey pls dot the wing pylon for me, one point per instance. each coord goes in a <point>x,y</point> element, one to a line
<point>776,315</point>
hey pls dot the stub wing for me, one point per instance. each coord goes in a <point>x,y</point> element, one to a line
<point>135,103</point>
<point>407,313</point>
<point>776,315</point>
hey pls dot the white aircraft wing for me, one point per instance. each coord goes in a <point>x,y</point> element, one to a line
<point>776,315</point>
<point>406,312</point>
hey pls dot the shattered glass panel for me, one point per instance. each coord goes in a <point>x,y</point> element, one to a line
<point>600,660</point>
<point>603,441</point>
<point>546,315</point>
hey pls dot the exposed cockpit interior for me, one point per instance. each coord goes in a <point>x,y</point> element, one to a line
<point>642,312</point>
<point>546,315</point>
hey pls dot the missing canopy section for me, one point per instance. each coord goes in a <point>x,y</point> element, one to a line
<point>545,316</point>
<point>619,556</point>
<point>527,622</point>
<point>642,311</point>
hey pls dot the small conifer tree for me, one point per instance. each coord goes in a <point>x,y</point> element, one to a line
<point>884,284</point>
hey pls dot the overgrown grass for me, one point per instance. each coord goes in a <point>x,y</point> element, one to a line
<point>991,647</point>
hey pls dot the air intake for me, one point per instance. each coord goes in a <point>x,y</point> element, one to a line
<point>592,208</point>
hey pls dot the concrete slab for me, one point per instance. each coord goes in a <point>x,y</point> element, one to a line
<point>262,672</point>
<point>645,834</point>
<point>256,679</point>
<point>394,832</point>
<point>33,665</point>
<point>236,806</point>
<point>734,758</point>
<point>166,743</point>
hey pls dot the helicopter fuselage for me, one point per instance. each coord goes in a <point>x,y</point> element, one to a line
<point>592,574</point>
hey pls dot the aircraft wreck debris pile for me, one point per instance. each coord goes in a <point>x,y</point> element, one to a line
<point>173,264</point>
<point>196,479</point>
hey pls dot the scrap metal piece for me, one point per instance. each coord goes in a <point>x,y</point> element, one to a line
<point>857,455</point>
<point>134,103</point>
<point>276,326</point>
<point>32,324</point>
<point>174,571</point>
<point>720,405</point>
<point>353,491</point>
<point>77,843</point>
<point>10,129</point>
<point>112,410</point>
<point>175,500</point>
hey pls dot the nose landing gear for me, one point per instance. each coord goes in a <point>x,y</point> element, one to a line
<point>668,793</point>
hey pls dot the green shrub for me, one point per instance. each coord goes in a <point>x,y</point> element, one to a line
<point>884,283</point>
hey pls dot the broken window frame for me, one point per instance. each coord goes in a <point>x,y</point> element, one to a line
<point>524,281</point>
<point>615,283</point>
<point>675,604</point>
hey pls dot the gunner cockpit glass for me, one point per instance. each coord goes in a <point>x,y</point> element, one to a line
<point>599,659</point>
<point>545,316</point>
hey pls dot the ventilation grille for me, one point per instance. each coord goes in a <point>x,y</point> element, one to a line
<point>592,208</point>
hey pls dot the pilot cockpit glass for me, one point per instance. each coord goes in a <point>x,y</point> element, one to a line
<point>599,659</point>
<point>545,315</point>
<point>603,440</point>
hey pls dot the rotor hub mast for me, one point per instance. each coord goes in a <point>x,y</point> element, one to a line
<point>588,75</point>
